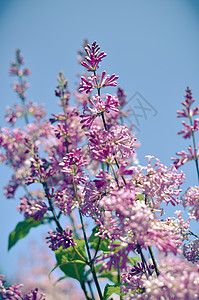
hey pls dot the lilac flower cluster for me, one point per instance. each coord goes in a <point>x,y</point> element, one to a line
<point>58,239</point>
<point>32,208</point>
<point>86,166</point>
<point>189,129</point>
<point>13,292</point>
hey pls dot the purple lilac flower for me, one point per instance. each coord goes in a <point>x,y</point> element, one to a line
<point>189,129</point>
<point>185,157</point>
<point>191,198</point>
<point>159,183</point>
<point>10,293</point>
<point>103,144</point>
<point>93,57</point>
<point>34,295</point>
<point>188,111</point>
<point>127,218</point>
<point>108,80</point>
<point>121,96</point>
<point>32,208</point>
<point>177,280</point>
<point>72,164</point>
<point>191,251</point>
<point>88,84</point>
<point>98,106</point>
<point>57,238</point>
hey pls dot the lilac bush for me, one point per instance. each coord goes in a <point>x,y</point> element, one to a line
<point>81,164</point>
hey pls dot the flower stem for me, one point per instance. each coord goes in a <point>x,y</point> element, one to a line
<point>90,259</point>
<point>84,290</point>
<point>154,261</point>
<point>51,207</point>
<point>194,145</point>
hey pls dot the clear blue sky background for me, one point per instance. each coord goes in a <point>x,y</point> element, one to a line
<point>152,45</point>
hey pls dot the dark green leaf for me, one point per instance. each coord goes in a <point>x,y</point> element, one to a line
<point>112,289</point>
<point>70,262</point>
<point>21,230</point>
<point>111,275</point>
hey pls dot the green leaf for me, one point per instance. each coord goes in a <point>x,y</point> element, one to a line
<point>70,262</point>
<point>111,275</point>
<point>112,289</point>
<point>60,279</point>
<point>140,197</point>
<point>21,230</point>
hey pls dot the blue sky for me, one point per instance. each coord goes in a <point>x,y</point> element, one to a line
<point>152,45</point>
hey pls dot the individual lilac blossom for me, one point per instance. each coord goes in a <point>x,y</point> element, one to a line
<point>87,85</point>
<point>189,129</point>
<point>67,130</point>
<point>134,279</point>
<point>185,157</point>
<point>20,89</point>
<point>103,144</point>
<point>121,96</point>
<point>40,170</point>
<point>191,198</point>
<point>12,292</point>
<point>89,205</point>
<point>157,182</point>
<point>177,280</point>
<point>98,106</point>
<point>12,141</point>
<point>16,70</point>
<point>32,208</point>
<point>108,80</point>
<point>82,53</point>
<point>11,187</point>
<point>191,251</point>
<point>130,283</point>
<point>34,295</point>
<point>64,200</point>
<point>93,58</point>
<point>37,111</point>
<point>94,191</point>
<point>182,226</point>
<point>134,221</point>
<point>16,67</point>
<point>18,111</point>
<point>40,132</point>
<point>72,164</point>
<point>13,114</point>
<point>187,111</point>
<point>62,90</point>
<point>57,238</point>
<point>139,268</point>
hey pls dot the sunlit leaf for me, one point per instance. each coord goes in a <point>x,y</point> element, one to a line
<point>21,230</point>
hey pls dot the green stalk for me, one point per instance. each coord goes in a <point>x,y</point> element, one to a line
<point>194,145</point>
<point>51,207</point>
<point>154,261</point>
<point>23,104</point>
<point>90,259</point>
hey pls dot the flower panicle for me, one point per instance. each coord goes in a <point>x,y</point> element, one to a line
<point>93,58</point>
